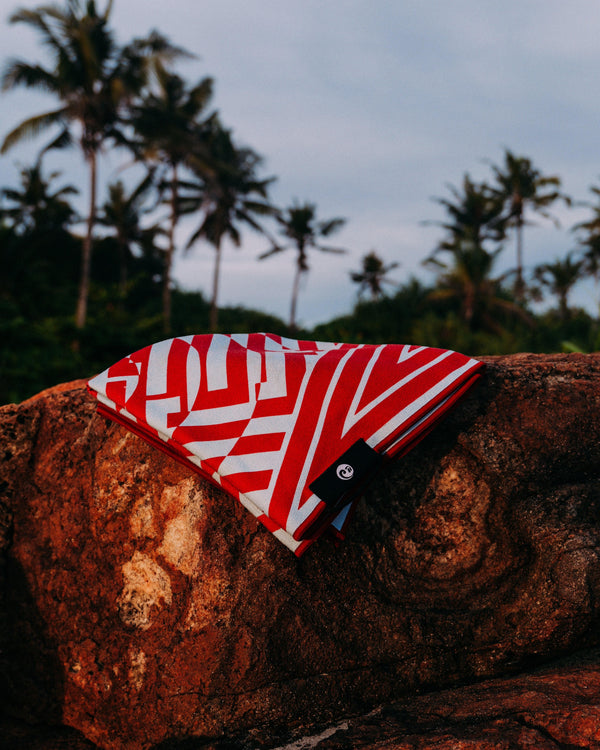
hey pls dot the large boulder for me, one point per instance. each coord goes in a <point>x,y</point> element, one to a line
<point>545,709</point>
<point>138,603</point>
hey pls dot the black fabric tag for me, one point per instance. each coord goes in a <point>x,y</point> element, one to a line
<point>343,478</point>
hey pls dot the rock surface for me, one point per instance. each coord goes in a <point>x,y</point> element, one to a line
<point>140,606</point>
<point>555,708</point>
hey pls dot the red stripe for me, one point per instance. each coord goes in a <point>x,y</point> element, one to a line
<point>258,443</point>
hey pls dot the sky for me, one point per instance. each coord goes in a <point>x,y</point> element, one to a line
<point>370,111</point>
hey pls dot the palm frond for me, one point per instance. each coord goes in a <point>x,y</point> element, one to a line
<point>335,250</point>
<point>63,140</point>
<point>31,127</point>
<point>272,251</point>
<point>20,73</point>
<point>332,225</point>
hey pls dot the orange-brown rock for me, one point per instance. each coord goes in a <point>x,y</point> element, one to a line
<point>139,604</point>
<point>555,708</point>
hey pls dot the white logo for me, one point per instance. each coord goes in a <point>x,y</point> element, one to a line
<point>344,471</point>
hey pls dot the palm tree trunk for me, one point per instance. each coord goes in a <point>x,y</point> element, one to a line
<point>166,291</point>
<point>294,303</point>
<point>122,267</point>
<point>519,283</point>
<point>86,256</point>
<point>565,312</point>
<point>214,310</point>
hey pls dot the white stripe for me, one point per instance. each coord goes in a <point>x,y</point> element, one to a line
<point>216,362</point>
<point>249,462</point>
<point>286,539</point>
<point>193,375</point>
<point>275,384</point>
<point>240,338</point>
<point>269,425</point>
<point>100,382</point>
<point>360,390</point>
<point>218,415</point>
<point>275,346</point>
<point>354,416</point>
<point>253,369</point>
<point>158,410</point>
<point>207,449</point>
<point>395,422</point>
<point>406,352</point>
<point>328,345</point>
<point>105,400</point>
<point>157,368</point>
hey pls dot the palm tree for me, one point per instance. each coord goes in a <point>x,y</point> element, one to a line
<point>591,237</point>
<point>560,277</point>
<point>299,224</point>
<point>36,207</point>
<point>123,212</point>
<point>372,275</point>
<point>465,272</point>
<point>37,250</point>
<point>474,215</point>
<point>170,127</point>
<point>230,194</point>
<point>523,188</point>
<point>466,278</point>
<point>94,79</point>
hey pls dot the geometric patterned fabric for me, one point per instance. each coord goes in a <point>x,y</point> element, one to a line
<point>264,416</point>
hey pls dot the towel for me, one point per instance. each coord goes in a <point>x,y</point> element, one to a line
<point>294,430</point>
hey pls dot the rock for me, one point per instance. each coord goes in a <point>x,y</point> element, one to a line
<point>557,707</point>
<point>140,605</point>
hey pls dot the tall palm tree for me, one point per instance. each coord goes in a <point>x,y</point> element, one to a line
<point>299,224</point>
<point>170,126</point>
<point>230,194</point>
<point>122,212</point>
<point>522,188</point>
<point>372,275</point>
<point>560,277</point>
<point>94,79</point>
<point>36,206</point>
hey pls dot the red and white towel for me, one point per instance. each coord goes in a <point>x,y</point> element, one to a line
<point>292,429</point>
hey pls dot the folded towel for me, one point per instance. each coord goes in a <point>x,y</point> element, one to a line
<point>292,429</point>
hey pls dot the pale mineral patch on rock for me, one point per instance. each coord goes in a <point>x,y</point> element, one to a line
<point>181,542</point>
<point>146,586</point>
<point>137,668</point>
<point>141,520</point>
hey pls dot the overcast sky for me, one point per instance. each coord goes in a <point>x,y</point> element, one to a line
<point>369,110</point>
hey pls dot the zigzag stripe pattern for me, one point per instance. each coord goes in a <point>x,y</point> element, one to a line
<point>263,416</point>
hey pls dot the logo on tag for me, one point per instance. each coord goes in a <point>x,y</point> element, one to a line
<point>344,471</point>
<point>346,475</point>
